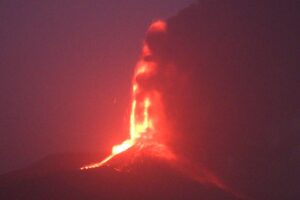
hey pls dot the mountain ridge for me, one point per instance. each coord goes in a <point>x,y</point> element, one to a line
<point>149,179</point>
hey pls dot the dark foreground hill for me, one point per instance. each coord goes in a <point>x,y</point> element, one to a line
<point>149,180</point>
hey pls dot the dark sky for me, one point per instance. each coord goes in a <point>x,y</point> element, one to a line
<point>65,70</point>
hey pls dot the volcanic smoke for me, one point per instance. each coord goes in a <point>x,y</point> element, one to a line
<point>147,122</point>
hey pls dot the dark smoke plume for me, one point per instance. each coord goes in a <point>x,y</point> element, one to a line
<point>230,79</point>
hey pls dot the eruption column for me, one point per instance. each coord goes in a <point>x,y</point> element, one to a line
<point>143,122</point>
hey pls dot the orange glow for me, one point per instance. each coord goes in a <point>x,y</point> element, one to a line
<point>148,124</point>
<point>158,26</point>
<point>146,109</point>
<point>122,147</point>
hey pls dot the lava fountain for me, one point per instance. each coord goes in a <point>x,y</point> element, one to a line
<point>147,121</point>
<point>148,124</point>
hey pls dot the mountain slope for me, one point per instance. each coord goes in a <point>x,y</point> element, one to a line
<point>148,179</point>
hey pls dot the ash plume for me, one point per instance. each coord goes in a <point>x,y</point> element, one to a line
<point>229,76</point>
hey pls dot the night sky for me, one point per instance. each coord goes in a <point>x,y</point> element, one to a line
<point>65,73</point>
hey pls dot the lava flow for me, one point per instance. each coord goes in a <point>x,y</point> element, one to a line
<point>147,122</point>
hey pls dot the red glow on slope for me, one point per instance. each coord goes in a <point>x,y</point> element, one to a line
<point>148,125</point>
<point>146,108</point>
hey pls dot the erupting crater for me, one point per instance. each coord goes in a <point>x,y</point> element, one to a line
<point>149,127</point>
<point>147,119</point>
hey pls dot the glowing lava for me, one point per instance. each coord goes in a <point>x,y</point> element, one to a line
<point>147,116</point>
<point>148,124</point>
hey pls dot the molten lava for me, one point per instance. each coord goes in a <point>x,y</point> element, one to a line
<point>148,124</point>
<point>147,116</point>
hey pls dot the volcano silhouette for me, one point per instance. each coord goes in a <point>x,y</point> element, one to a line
<point>237,113</point>
<point>145,178</point>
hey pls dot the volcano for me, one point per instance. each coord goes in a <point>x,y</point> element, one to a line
<point>148,124</point>
<point>146,178</point>
<point>217,85</point>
